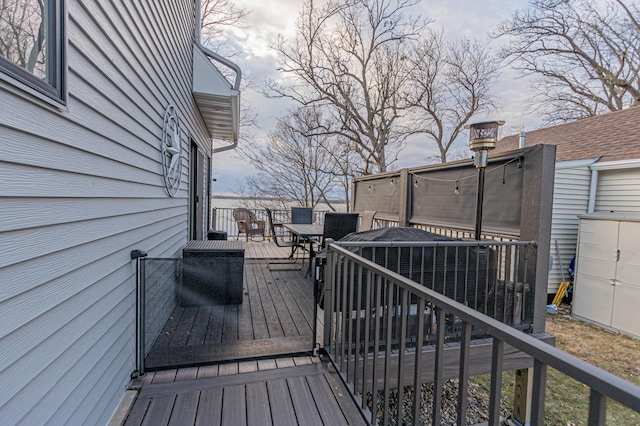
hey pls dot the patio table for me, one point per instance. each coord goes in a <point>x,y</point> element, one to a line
<point>306,233</point>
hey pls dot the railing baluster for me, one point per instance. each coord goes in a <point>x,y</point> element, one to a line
<point>357,343</point>
<point>538,392</point>
<point>391,307</point>
<point>463,376</point>
<point>376,349</point>
<point>404,312</point>
<point>350,319</point>
<point>345,317</point>
<point>597,408</point>
<point>496,381</point>
<point>417,370</point>
<point>439,361</point>
<point>367,325</point>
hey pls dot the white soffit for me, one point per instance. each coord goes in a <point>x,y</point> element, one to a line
<point>218,101</point>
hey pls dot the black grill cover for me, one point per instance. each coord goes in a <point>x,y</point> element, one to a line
<point>460,273</point>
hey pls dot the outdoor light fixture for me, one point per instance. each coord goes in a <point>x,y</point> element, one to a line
<point>482,139</point>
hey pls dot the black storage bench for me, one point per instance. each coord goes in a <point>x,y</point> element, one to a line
<point>213,273</point>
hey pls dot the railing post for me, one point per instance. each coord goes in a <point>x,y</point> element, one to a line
<point>523,395</point>
<point>535,222</point>
<point>328,294</point>
<point>405,211</point>
<point>138,256</point>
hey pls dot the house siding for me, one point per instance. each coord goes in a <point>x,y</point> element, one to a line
<point>618,191</point>
<point>81,188</point>
<point>570,199</point>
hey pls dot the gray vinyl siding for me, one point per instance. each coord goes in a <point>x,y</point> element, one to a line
<point>570,199</point>
<point>80,189</point>
<point>618,191</point>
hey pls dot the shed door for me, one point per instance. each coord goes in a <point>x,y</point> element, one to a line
<point>596,270</point>
<point>626,304</point>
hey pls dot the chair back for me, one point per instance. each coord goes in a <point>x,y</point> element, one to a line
<point>272,229</point>
<point>244,214</point>
<point>337,225</point>
<point>367,220</point>
<point>301,215</point>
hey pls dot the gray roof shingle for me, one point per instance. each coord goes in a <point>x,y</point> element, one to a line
<point>612,136</point>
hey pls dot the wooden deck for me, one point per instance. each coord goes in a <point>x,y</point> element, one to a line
<point>275,318</point>
<point>288,391</point>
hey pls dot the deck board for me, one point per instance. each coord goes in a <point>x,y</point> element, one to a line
<point>258,411</point>
<point>209,412</point>
<point>300,395</point>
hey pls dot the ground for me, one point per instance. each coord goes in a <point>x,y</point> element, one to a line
<point>566,399</point>
<point>614,352</point>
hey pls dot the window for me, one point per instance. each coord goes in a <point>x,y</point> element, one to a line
<point>32,43</point>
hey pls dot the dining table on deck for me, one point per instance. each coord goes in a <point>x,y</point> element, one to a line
<point>306,232</point>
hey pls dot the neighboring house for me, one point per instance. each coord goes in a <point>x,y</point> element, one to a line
<point>82,184</point>
<point>597,170</point>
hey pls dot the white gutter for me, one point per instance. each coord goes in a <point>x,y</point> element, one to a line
<point>224,61</point>
<point>609,165</point>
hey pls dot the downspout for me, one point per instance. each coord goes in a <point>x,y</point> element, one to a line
<point>591,207</point>
<point>236,88</point>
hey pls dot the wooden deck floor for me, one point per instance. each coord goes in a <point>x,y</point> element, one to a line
<point>275,318</point>
<point>289,391</point>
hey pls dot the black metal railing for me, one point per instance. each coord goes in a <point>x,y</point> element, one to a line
<point>383,331</point>
<point>222,218</point>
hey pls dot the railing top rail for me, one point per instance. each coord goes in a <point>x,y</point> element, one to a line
<point>433,243</point>
<point>602,381</point>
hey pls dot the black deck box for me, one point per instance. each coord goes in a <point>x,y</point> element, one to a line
<point>212,273</point>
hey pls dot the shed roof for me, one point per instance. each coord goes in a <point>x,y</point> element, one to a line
<point>612,136</point>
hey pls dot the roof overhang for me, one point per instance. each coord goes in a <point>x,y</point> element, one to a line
<point>217,99</point>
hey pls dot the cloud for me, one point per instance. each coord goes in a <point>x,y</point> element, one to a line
<point>459,18</point>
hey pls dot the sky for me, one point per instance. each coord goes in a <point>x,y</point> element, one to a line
<point>458,18</point>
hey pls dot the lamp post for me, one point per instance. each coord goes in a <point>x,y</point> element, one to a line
<point>482,139</point>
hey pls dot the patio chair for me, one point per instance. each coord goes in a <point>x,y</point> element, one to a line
<point>367,220</point>
<point>301,215</point>
<point>248,224</point>
<point>290,243</point>
<point>337,225</point>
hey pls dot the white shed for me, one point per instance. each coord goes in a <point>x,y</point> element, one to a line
<point>607,285</point>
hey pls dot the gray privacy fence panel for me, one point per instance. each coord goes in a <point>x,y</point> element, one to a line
<point>435,201</point>
<point>382,194</point>
<point>517,193</point>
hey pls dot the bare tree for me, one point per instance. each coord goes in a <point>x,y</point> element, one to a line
<point>22,34</point>
<point>450,82</point>
<point>216,17</point>
<point>349,58</point>
<point>585,54</point>
<point>294,164</point>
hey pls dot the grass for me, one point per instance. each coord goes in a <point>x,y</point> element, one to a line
<point>566,399</point>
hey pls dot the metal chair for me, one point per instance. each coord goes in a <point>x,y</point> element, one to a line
<point>301,215</point>
<point>291,243</point>
<point>337,225</point>
<point>247,223</point>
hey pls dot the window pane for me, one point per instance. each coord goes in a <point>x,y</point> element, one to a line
<point>23,34</point>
